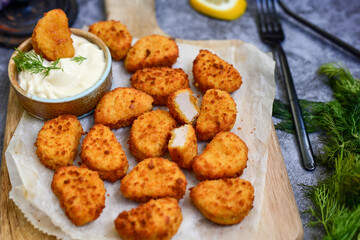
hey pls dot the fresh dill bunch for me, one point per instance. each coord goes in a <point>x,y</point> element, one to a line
<point>78,59</point>
<point>336,199</point>
<point>33,63</point>
<point>309,110</point>
<point>346,88</point>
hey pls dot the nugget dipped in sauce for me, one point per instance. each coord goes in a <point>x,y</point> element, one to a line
<point>224,157</point>
<point>115,35</point>
<point>58,140</point>
<point>224,201</point>
<point>217,114</point>
<point>154,178</point>
<point>183,106</point>
<point>51,37</point>
<point>150,134</point>
<point>121,106</point>
<point>212,72</point>
<point>81,193</point>
<point>101,152</point>
<point>152,51</point>
<point>159,82</point>
<point>156,219</point>
<point>183,146</point>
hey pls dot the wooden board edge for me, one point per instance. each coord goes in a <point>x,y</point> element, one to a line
<point>13,224</point>
<point>278,204</point>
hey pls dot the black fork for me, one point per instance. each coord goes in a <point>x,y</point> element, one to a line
<point>271,33</point>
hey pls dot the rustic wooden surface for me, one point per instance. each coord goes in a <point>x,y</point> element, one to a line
<point>280,218</point>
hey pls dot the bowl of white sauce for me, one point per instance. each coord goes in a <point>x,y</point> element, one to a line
<point>74,87</point>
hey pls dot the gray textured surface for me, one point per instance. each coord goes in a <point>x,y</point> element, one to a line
<point>306,51</point>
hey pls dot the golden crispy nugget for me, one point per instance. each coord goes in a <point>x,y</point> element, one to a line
<point>51,37</point>
<point>212,72</point>
<point>183,106</point>
<point>150,134</point>
<point>58,140</point>
<point>101,152</point>
<point>217,113</point>
<point>224,201</point>
<point>152,51</point>
<point>121,106</point>
<point>154,178</point>
<point>159,82</point>
<point>81,193</point>
<point>183,146</point>
<point>224,157</point>
<point>157,220</point>
<point>115,35</point>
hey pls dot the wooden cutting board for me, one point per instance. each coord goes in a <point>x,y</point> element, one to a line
<point>280,217</point>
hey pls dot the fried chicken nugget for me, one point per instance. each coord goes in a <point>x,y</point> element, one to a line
<point>51,37</point>
<point>115,35</point>
<point>150,134</point>
<point>101,152</point>
<point>217,113</point>
<point>212,72</point>
<point>152,51</point>
<point>224,157</point>
<point>58,140</point>
<point>154,178</point>
<point>81,193</point>
<point>121,106</point>
<point>183,146</point>
<point>224,201</point>
<point>159,82</point>
<point>157,220</point>
<point>183,106</point>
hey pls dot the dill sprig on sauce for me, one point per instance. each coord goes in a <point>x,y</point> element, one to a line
<point>78,59</point>
<point>336,199</point>
<point>33,63</point>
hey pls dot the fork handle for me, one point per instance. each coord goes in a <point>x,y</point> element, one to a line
<point>302,136</point>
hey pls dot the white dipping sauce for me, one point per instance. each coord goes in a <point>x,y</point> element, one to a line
<point>74,78</point>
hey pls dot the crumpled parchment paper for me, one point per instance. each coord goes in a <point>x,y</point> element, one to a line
<point>31,181</point>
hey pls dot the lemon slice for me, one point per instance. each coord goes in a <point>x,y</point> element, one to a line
<point>221,9</point>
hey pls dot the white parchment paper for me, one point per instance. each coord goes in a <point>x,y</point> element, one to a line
<point>31,181</point>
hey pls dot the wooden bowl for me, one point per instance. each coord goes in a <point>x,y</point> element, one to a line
<point>79,105</point>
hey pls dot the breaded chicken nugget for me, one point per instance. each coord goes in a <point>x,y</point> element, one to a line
<point>217,113</point>
<point>58,140</point>
<point>154,178</point>
<point>121,106</point>
<point>183,146</point>
<point>101,152</point>
<point>183,106</point>
<point>224,201</point>
<point>224,157</point>
<point>51,37</point>
<point>115,35</point>
<point>150,134</point>
<point>81,193</point>
<point>152,51</point>
<point>159,82</point>
<point>157,220</point>
<point>212,72</point>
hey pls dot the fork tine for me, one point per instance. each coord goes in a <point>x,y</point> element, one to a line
<point>262,21</point>
<point>267,16</point>
<point>275,17</point>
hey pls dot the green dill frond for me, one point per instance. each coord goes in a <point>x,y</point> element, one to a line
<point>336,199</point>
<point>346,88</point>
<point>78,59</point>
<point>33,63</point>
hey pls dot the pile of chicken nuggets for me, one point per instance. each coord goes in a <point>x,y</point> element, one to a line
<point>155,182</point>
